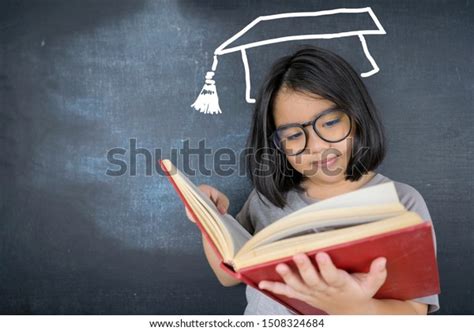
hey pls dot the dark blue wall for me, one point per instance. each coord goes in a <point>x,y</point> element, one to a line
<point>79,78</point>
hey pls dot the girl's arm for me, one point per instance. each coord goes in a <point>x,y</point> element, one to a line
<point>224,278</point>
<point>336,291</point>
<point>387,307</point>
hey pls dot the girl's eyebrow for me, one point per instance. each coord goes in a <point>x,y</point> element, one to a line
<point>283,126</point>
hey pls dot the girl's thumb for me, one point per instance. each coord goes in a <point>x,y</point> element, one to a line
<point>221,202</point>
<point>222,207</point>
<point>377,274</point>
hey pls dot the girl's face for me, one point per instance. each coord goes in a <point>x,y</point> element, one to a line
<point>298,107</point>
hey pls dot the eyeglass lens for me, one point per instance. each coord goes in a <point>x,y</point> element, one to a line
<point>333,126</point>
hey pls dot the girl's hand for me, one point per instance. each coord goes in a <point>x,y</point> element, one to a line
<point>333,290</point>
<point>219,199</point>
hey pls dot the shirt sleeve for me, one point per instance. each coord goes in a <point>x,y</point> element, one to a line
<point>414,201</point>
<point>244,215</point>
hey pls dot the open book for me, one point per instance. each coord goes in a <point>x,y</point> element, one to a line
<point>353,228</point>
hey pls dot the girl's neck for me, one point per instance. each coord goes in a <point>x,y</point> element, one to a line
<point>321,191</point>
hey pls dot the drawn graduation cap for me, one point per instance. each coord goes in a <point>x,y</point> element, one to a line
<point>353,22</point>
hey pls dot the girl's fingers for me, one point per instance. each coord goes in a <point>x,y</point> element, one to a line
<point>332,276</point>
<point>219,198</point>
<point>291,278</point>
<point>222,202</point>
<point>308,272</point>
<point>279,288</point>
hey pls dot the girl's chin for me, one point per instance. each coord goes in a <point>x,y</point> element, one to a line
<point>325,175</point>
<point>330,173</point>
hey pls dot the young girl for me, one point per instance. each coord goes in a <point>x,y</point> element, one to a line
<point>315,134</point>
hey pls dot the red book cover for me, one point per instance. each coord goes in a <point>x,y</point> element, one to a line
<point>412,269</point>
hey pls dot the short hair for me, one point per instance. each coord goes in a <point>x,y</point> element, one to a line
<point>317,71</point>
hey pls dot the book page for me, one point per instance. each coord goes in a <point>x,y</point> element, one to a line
<point>203,217</point>
<point>378,194</point>
<point>291,246</point>
<point>231,231</point>
<point>371,202</point>
<point>355,216</point>
<point>238,233</point>
<point>341,217</point>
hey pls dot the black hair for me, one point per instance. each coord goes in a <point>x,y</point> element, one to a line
<point>316,71</point>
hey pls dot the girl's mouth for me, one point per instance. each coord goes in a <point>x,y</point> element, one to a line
<point>327,162</point>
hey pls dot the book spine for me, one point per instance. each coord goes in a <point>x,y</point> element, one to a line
<point>230,270</point>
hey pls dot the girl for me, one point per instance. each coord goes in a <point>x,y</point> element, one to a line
<point>315,134</point>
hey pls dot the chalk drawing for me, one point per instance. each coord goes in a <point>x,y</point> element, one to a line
<point>208,101</point>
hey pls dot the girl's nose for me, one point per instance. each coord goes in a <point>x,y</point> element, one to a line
<point>315,144</point>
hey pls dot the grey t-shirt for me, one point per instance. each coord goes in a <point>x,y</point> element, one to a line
<point>255,215</point>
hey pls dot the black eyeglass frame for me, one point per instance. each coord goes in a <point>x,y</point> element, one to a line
<point>312,122</point>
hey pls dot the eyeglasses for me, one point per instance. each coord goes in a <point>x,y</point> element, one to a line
<point>332,125</point>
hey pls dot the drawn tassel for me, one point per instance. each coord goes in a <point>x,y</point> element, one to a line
<point>207,101</point>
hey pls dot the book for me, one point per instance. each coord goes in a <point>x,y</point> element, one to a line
<point>353,228</point>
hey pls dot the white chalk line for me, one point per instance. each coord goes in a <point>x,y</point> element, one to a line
<point>242,48</point>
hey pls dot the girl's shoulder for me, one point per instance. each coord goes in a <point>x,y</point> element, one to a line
<point>258,212</point>
<point>410,197</point>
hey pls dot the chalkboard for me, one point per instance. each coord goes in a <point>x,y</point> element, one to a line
<point>81,234</point>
